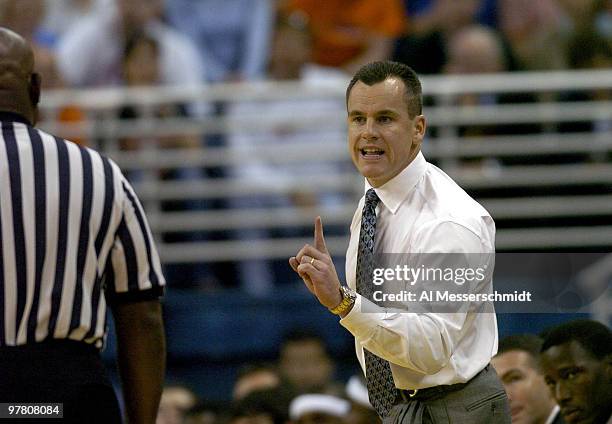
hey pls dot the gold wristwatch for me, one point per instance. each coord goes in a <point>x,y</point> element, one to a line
<point>348,299</point>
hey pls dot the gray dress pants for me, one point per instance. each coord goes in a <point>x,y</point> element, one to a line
<point>480,401</point>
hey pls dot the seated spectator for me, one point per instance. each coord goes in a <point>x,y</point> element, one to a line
<point>362,411</point>
<point>175,401</point>
<point>576,361</point>
<point>474,50</point>
<point>90,53</point>
<point>306,364</point>
<point>349,33</point>
<point>233,41</point>
<point>141,67</point>
<point>254,378</point>
<point>516,364</point>
<point>318,409</point>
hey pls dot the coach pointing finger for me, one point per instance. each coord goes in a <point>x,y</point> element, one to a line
<point>420,367</point>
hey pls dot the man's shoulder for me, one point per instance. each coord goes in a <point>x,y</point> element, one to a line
<point>445,198</point>
<point>48,138</point>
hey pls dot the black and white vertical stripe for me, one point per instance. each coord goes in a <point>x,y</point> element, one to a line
<point>73,236</point>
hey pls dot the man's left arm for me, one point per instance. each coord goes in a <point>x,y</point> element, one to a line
<point>141,348</point>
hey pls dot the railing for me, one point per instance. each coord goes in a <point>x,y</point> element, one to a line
<point>549,204</point>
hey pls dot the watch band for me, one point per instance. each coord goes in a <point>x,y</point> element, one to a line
<point>348,299</point>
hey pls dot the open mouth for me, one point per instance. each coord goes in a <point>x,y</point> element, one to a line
<point>371,152</point>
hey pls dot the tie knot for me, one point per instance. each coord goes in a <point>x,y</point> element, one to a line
<point>371,198</point>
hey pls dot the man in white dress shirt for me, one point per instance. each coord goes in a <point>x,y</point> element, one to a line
<point>420,367</point>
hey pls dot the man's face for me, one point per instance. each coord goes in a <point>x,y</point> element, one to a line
<point>383,139</point>
<point>581,384</point>
<point>530,401</point>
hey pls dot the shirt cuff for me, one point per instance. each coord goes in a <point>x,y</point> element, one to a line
<point>363,324</point>
<point>153,293</point>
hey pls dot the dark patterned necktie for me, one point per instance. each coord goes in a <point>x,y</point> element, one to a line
<point>381,388</point>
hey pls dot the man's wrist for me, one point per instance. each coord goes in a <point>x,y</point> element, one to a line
<point>347,302</point>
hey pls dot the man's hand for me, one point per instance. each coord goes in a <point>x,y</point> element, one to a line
<point>314,265</point>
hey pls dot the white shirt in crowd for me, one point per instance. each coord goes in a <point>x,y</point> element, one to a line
<point>422,210</point>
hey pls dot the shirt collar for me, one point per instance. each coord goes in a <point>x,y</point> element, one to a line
<point>396,190</point>
<point>552,415</point>
<point>13,117</point>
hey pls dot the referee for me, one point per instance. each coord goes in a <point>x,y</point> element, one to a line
<point>73,240</point>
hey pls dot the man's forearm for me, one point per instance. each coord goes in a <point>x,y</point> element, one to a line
<point>142,358</point>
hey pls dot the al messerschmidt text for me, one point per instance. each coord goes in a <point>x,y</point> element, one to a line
<point>446,296</point>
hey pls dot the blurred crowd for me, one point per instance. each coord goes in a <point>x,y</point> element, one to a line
<point>135,43</point>
<point>84,43</point>
<point>561,374</point>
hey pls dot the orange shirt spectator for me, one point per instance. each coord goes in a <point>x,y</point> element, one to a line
<point>347,30</point>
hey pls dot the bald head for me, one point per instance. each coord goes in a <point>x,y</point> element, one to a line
<point>19,85</point>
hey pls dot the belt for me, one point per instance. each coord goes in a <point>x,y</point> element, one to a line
<point>435,392</point>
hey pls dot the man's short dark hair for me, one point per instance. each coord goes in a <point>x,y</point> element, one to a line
<point>376,72</point>
<point>529,343</point>
<point>593,336</point>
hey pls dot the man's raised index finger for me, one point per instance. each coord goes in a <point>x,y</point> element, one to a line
<point>319,240</point>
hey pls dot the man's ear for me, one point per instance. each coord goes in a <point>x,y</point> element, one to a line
<point>420,126</point>
<point>35,83</point>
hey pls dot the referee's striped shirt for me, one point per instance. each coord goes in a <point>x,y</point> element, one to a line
<point>73,238</point>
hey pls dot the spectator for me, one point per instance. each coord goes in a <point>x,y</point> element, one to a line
<point>176,400</point>
<point>141,67</point>
<point>318,409</point>
<point>576,361</point>
<point>516,364</point>
<point>233,40</point>
<point>306,364</point>
<point>349,33</point>
<point>477,49</point>
<point>90,53</point>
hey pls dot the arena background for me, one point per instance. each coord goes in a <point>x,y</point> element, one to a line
<point>233,167</point>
